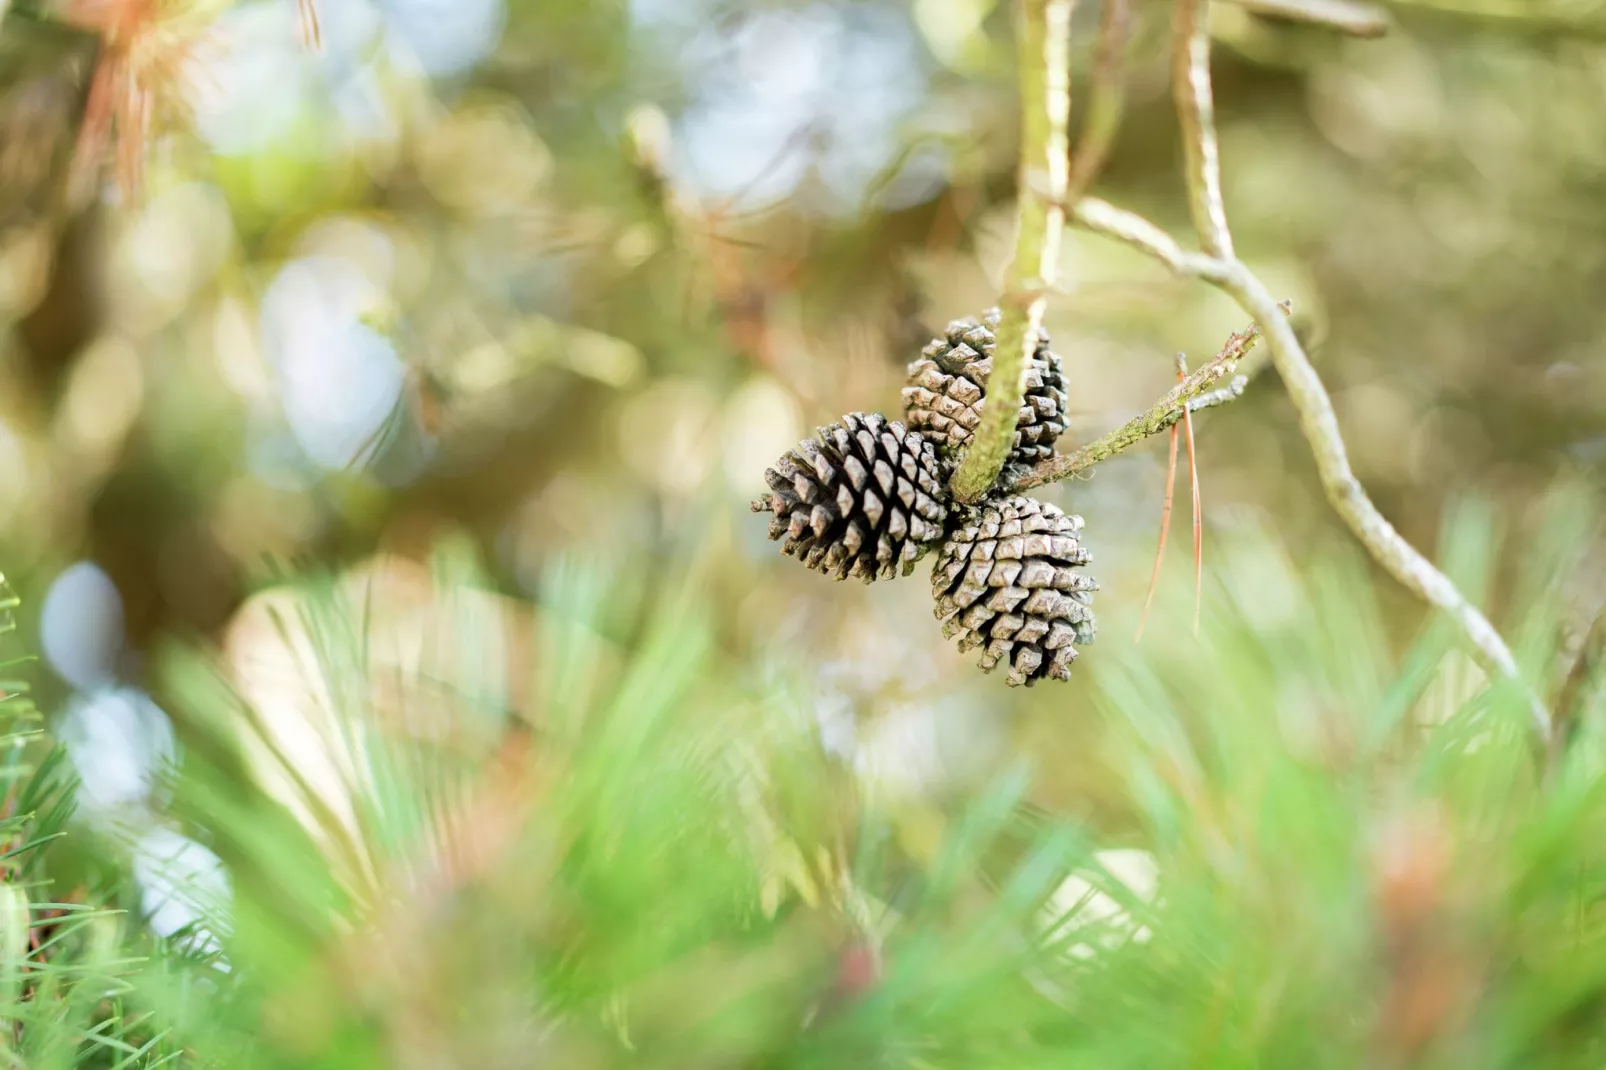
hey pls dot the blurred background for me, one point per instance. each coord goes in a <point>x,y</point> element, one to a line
<point>556,279</point>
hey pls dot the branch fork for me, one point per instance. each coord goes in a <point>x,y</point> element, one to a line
<point>1191,394</point>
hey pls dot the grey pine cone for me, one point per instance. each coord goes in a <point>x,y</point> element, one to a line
<point>1010,579</point>
<point>863,498</point>
<point>946,385</point>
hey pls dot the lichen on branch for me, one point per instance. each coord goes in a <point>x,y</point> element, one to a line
<point>1195,392</point>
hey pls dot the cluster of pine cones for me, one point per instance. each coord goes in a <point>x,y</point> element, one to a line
<point>868,497</point>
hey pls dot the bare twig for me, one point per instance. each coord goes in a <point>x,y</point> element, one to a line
<point>1132,229</point>
<point>1353,17</point>
<point>1220,396</point>
<point>1190,395</point>
<point>1190,83</point>
<point>1043,49</point>
<point>1106,99</point>
<point>1044,55</point>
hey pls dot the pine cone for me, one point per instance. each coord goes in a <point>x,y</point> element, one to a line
<point>1009,578</point>
<point>861,499</point>
<point>946,386</point>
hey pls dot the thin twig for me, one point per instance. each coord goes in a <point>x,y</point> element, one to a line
<point>1106,99</point>
<point>1220,396</point>
<point>1044,56</point>
<point>1193,393</point>
<point>1041,67</point>
<point>1353,17</point>
<point>1090,213</point>
<point>1196,108</point>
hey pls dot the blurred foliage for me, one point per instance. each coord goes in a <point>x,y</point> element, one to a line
<point>643,851</point>
<point>65,989</point>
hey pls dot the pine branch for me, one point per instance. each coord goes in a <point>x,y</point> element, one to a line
<point>1319,425</point>
<point>1195,392</point>
<point>1129,228</point>
<point>1044,55</point>
<point>1318,422</point>
<point>1196,108</point>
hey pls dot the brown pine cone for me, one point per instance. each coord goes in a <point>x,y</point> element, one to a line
<point>863,498</point>
<point>1009,579</point>
<point>946,386</point>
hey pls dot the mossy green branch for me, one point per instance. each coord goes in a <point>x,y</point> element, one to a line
<point>1197,391</point>
<point>1045,91</point>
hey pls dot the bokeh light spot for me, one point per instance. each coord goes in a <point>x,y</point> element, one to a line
<point>339,377</point>
<point>81,626</point>
<point>183,884</point>
<point>445,37</point>
<point>120,743</point>
<point>103,398</point>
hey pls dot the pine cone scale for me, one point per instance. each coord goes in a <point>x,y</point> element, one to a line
<point>872,507</point>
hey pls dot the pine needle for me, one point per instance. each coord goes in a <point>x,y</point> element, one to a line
<point>1165,526</point>
<point>1198,519</point>
<point>1165,516</point>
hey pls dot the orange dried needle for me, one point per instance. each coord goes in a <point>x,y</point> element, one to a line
<point>95,130</point>
<point>144,48</point>
<point>1198,518</point>
<point>1165,516</point>
<point>1165,526</point>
